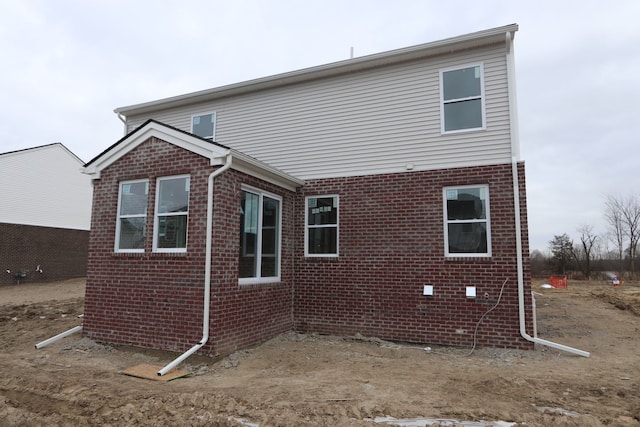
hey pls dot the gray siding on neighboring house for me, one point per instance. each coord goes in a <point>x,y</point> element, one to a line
<point>368,122</point>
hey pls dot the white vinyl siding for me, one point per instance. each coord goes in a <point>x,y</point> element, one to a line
<point>43,186</point>
<point>368,122</point>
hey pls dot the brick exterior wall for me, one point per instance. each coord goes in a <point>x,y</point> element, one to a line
<point>156,299</point>
<point>61,253</point>
<point>392,244</point>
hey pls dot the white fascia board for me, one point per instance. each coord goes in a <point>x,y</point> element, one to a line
<point>153,129</point>
<point>449,45</point>
<point>251,166</point>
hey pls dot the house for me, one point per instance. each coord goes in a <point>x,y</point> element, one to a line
<point>45,215</point>
<point>382,195</point>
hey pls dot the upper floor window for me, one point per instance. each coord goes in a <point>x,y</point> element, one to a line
<point>132,216</point>
<point>321,231</point>
<point>462,98</point>
<point>204,125</point>
<point>467,228</point>
<point>260,236</point>
<point>171,214</point>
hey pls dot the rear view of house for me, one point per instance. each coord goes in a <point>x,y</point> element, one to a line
<point>381,195</point>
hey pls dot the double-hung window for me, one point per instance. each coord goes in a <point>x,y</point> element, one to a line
<point>462,98</point>
<point>260,236</point>
<point>132,216</point>
<point>321,231</point>
<point>171,214</point>
<point>467,227</point>
<point>204,125</point>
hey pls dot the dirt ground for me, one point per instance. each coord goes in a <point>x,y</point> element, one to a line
<point>312,380</point>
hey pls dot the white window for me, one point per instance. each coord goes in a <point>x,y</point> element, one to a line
<point>171,214</point>
<point>321,231</point>
<point>132,216</point>
<point>204,125</point>
<point>462,98</point>
<point>467,229</point>
<point>260,236</point>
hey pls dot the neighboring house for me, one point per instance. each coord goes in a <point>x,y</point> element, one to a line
<point>373,196</point>
<point>45,213</point>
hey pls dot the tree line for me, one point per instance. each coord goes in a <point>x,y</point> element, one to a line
<point>591,254</point>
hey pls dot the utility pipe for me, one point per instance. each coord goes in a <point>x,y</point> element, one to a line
<point>207,273</point>
<point>59,336</point>
<point>515,146</point>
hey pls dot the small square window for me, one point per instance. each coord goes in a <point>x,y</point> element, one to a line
<point>204,125</point>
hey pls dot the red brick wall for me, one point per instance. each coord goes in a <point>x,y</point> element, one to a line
<point>156,299</point>
<point>392,244</point>
<point>61,253</point>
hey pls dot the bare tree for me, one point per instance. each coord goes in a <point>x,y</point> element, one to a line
<point>583,252</point>
<point>623,216</point>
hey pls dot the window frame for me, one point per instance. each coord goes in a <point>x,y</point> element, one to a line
<point>258,279</point>
<point>307,227</point>
<point>157,215</point>
<point>215,123</point>
<point>481,97</point>
<point>486,221</point>
<point>119,216</point>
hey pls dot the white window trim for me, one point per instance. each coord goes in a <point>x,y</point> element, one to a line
<point>482,99</point>
<point>272,279</point>
<point>446,223</point>
<point>119,217</point>
<point>307,226</point>
<point>157,215</point>
<point>215,123</point>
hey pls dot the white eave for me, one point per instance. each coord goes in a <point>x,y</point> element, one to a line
<point>449,45</point>
<point>216,154</point>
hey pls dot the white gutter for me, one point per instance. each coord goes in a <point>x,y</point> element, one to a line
<point>515,143</point>
<point>207,273</point>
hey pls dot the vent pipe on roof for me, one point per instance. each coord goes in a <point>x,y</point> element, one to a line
<point>207,273</point>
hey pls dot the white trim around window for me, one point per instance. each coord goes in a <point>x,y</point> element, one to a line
<point>171,215</point>
<point>322,226</point>
<point>131,220</point>
<point>462,99</point>
<point>204,125</point>
<point>467,225</point>
<point>260,255</point>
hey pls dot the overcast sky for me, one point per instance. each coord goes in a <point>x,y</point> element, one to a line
<point>66,65</point>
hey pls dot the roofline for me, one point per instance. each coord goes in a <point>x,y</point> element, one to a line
<point>44,146</point>
<point>448,45</point>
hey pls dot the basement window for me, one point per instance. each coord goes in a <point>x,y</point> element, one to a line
<point>260,236</point>
<point>132,216</point>
<point>467,227</point>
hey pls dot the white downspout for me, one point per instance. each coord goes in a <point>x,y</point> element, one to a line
<point>515,144</point>
<point>207,273</point>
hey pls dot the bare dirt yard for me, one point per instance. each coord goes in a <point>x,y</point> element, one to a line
<point>312,380</point>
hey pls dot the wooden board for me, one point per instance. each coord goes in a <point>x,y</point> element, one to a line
<point>150,372</point>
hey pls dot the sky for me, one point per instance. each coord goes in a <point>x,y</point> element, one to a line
<point>65,65</point>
